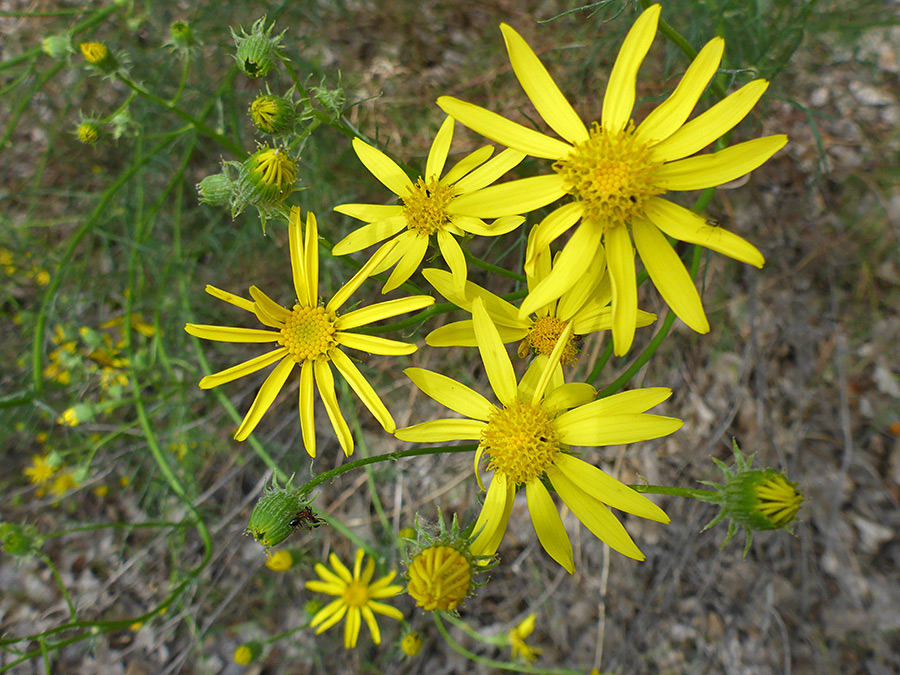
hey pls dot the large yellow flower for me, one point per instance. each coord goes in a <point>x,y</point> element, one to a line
<point>585,305</point>
<point>356,597</point>
<point>527,438</point>
<point>429,207</point>
<point>310,335</point>
<point>616,172</point>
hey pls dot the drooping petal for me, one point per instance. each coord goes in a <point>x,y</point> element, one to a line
<point>548,100</point>
<point>370,213</point>
<point>710,125</point>
<point>264,398</point>
<point>608,490</point>
<point>497,365</point>
<point>440,148</point>
<point>409,263</point>
<point>618,101</point>
<point>325,385</point>
<point>580,430</point>
<point>669,275</point>
<point>548,525</point>
<point>374,344</point>
<point>363,389</point>
<point>307,407</point>
<point>382,310</point>
<point>242,369</point>
<point>684,225</point>
<point>504,131</point>
<point>491,524</point>
<point>230,298</point>
<point>442,431</point>
<point>383,168</point>
<point>267,309</point>
<point>509,199</point>
<point>550,228</point>
<point>704,171</point>
<point>372,233</point>
<point>462,334</point>
<point>667,117</point>
<point>620,261</point>
<point>231,334</point>
<point>455,259</point>
<point>452,394</point>
<point>490,171</point>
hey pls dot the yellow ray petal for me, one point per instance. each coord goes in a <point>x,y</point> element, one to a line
<point>246,368</point>
<point>370,213</point>
<point>594,514</point>
<point>230,298</point>
<point>383,168</point>
<point>467,164</point>
<point>391,251</point>
<point>680,223</point>
<point>442,431</point>
<point>672,113</point>
<point>500,311</point>
<point>569,395</point>
<point>325,385</point>
<point>570,265</point>
<point>371,623</point>
<point>548,100</point>
<point>348,289</point>
<point>509,199</point>
<point>351,627</point>
<point>268,311</point>
<point>528,383</point>
<point>608,490</point>
<point>311,260</point>
<point>489,172</point>
<point>453,256</point>
<point>374,344</point>
<point>628,402</point>
<point>264,398</point>
<point>231,334</point>
<point>710,125</point>
<point>717,168</point>
<point>668,274</point>
<point>618,101</point>
<point>550,228</point>
<point>497,365</point>
<point>491,523</point>
<point>307,406</point>
<point>409,262</point>
<point>382,310</point>
<point>504,131</point>
<point>613,429</point>
<point>440,148</point>
<point>363,389</point>
<point>298,261</point>
<point>553,364</point>
<point>462,334</point>
<point>620,261</point>
<point>581,294</point>
<point>370,234</point>
<point>478,226</point>
<point>452,394</point>
<point>548,525</point>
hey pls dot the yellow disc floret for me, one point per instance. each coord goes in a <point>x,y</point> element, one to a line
<point>426,206</point>
<point>522,441</point>
<point>613,175</point>
<point>308,333</point>
<point>542,338</point>
<point>440,577</point>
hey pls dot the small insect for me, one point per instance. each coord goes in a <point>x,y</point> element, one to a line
<point>305,518</point>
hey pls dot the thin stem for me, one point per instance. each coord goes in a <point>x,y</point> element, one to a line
<point>688,493</point>
<point>73,615</point>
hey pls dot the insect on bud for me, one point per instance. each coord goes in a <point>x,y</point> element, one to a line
<point>279,512</point>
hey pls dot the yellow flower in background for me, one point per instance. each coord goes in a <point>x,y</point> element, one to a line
<point>63,482</point>
<point>517,640</point>
<point>585,305</point>
<point>309,335</point>
<point>615,173</point>
<point>411,644</point>
<point>280,561</point>
<point>40,471</point>
<point>527,438</point>
<point>247,653</point>
<point>357,597</point>
<point>429,208</point>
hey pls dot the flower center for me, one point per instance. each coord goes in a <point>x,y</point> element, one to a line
<point>521,440</point>
<point>543,336</point>
<point>308,333</point>
<point>276,169</point>
<point>356,594</point>
<point>425,207</point>
<point>612,174</point>
<point>779,501</point>
<point>439,578</point>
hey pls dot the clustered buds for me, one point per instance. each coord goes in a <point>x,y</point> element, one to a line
<point>279,512</point>
<point>258,50</point>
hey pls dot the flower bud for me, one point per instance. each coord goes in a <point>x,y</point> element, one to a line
<point>181,36</point>
<point>88,132</point>
<point>19,540</point>
<point>281,561</point>
<point>215,189</point>
<point>247,653</point>
<point>265,180</point>
<point>411,644</point>
<point>273,114</point>
<point>258,50</point>
<point>440,577</point>
<point>279,512</point>
<point>97,54</point>
<point>57,46</point>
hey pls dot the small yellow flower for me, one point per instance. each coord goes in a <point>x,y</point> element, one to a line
<point>69,418</point>
<point>124,481</point>
<point>41,470</point>
<point>356,599</point>
<point>280,561</point>
<point>94,52</point>
<point>63,482</point>
<point>101,491</point>
<point>136,626</point>
<point>310,336</point>
<point>517,640</point>
<point>88,132</point>
<point>440,577</point>
<point>411,644</point>
<point>42,277</point>
<point>247,653</point>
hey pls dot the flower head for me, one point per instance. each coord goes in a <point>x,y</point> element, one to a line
<point>247,653</point>
<point>527,438</point>
<point>517,640</point>
<point>41,470</point>
<point>615,174</point>
<point>440,577</point>
<point>280,561</point>
<point>273,114</point>
<point>98,55</point>
<point>411,644</point>
<point>265,180</point>
<point>280,511</point>
<point>428,209</point>
<point>357,597</point>
<point>258,50</point>
<point>311,336</point>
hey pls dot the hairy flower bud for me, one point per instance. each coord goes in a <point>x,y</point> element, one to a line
<point>279,512</point>
<point>97,54</point>
<point>258,50</point>
<point>273,114</point>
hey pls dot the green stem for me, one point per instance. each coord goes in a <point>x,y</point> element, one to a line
<point>185,69</point>
<point>496,269</point>
<point>688,493</point>
<point>73,615</point>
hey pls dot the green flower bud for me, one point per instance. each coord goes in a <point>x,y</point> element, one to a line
<point>57,46</point>
<point>312,607</point>
<point>247,653</point>
<point>98,55</point>
<point>88,132</point>
<point>273,114</point>
<point>215,189</point>
<point>182,35</point>
<point>279,512</point>
<point>258,50</point>
<point>19,540</point>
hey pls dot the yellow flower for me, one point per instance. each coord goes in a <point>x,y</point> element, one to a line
<point>40,471</point>
<point>280,561</point>
<point>88,132</point>
<point>411,644</point>
<point>517,640</point>
<point>527,438</point>
<point>356,598</point>
<point>247,653</point>
<point>585,306</point>
<point>94,52</point>
<point>616,172</point>
<point>779,500</point>
<point>101,490</point>
<point>440,577</point>
<point>69,418</point>
<point>429,207</point>
<point>310,335</point>
<point>63,482</point>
